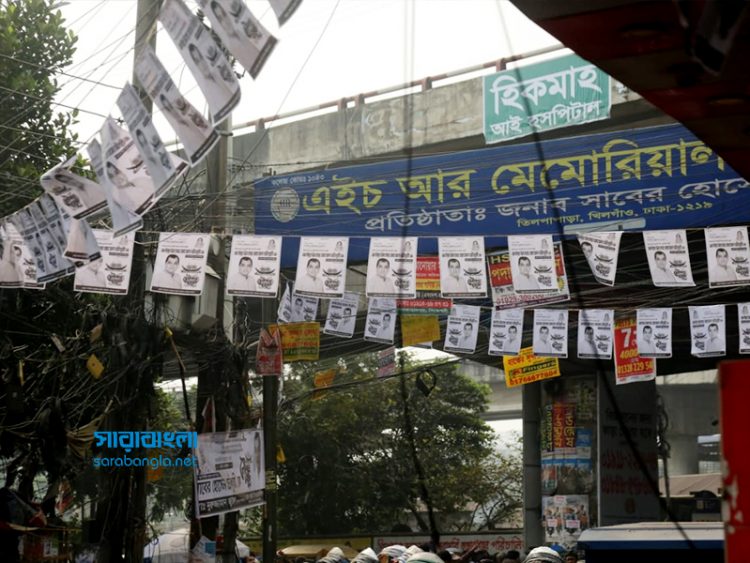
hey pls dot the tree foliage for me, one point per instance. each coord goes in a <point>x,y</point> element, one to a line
<point>34,47</point>
<point>350,465</point>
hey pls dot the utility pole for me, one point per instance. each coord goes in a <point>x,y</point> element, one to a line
<point>270,405</point>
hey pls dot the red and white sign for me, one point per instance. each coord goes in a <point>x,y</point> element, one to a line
<point>629,366</point>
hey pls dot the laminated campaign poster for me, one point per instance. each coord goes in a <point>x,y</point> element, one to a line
<point>381,320</point>
<point>163,167</point>
<point>728,256</point>
<point>532,264</point>
<point>321,266</point>
<point>303,308</point>
<point>79,197</point>
<point>342,315</point>
<point>707,331</point>
<point>668,258</point>
<point>180,265</point>
<point>392,267</point>
<point>82,245</point>
<point>110,273</point>
<point>503,295</point>
<point>18,267</point>
<point>254,266</point>
<point>462,329</point>
<point>550,333</point>
<point>463,271</point>
<point>284,9</point>
<point>240,32</point>
<point>205,59</point>
<point>506,332</point>
<point>595,333</point>
<point>194,132</point>
<point>123,220</point>
<point>601,251</point>
<point>743,316</point>
<point>284,312</point>
<point>654,332</point>
<point>131,184</point>
<point>45,240</point>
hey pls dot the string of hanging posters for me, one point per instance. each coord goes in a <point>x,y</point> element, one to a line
<point>48,238</point>
<point>530,274</point>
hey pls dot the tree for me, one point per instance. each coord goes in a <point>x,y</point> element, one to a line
<point>349,465</point>
<point>34,47</point>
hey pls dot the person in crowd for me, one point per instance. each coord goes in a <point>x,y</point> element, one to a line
<point>543,555</point>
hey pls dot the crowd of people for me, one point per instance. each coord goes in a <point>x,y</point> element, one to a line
<point>425,554</point>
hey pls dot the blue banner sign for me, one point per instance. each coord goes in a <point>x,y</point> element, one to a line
<point>645,179</point>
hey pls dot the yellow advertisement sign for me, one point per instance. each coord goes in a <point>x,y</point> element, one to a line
<point>527,368</point>
<point>417,329</point>
<point>299,341</point>
<point>321,380</point>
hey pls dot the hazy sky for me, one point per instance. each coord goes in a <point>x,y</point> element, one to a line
<point>329,49</point>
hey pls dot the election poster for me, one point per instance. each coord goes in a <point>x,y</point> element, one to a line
<point>342,315</point>
<point>254,266</point>
<point>462,267</point>
<point>506,332</point>
<point>601,251</point>
<point>321,267</point>
<point>565,517</point>
<point>230,471</point>
<point>81,244</point>
<point>462,329</point>
<point>708,331</point>
<point>284,311</point>
<point>630,367</point>
<point>180,264</point>
<point>743,316</point>
<point>654,332</point>
<point>668,258</point>
<point>595,333</point>
<point>303,308</point>
<point>550,333</point>
<point>284,9</point>
<point>269,359</point>
<point>527,367</point>
<point>428,301</point>
<point>381,320</point>
<point>532,264</point>
<point>728,256</point>
<point>78,196</point>
<point>18,267</point>
<point>111,273</point>
<point>392,267</point>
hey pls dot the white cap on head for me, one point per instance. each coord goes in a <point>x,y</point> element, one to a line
<point>425,557</point>
<point>543,555</point>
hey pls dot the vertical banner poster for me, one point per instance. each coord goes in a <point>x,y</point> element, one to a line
<point>236,461</point>
<point>462,267</point>
<point>595,333</point>
<point>654,332</point>
<point>550,333</point>
<point>532,264</point>
<point>284,312</point>
<point>342,315</point>
<point>163,166</point>
<point>205,59</point>
<point>743,317</point>
<point>18,256</point>
<point>601,251</point>
<point>240,32</point>
<point>728,256</point>
<point>387,362</point>
<point>381,320</point>
<point>269,359</point>
<point>707,331</point>
<point>194,132</point>
<point>503,295</point>
<point>565,517</point>
<point>462,329</point>
<point>428,300</point>
<point>321,266</point>
<point>110,273</point>
<point>506,332</point>
<point>303,308</point>
<point>254,266</point>
<point>79,197</point>
<point>630,367</point>
<point>526,367</point>
<point>668,258</point>
<point>392,267</point>
<point>180,265</point>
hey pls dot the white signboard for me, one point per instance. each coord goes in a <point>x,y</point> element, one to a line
<point>230,472</point>
<point>342,315</point>
<point>532,264</point>
<point>180,265</point>
<point>728,256</point>
<point>254,266</point>
<point>463,270</point>
<point>392,267</point>
<point>381,320</point>
<point>668,258</point>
